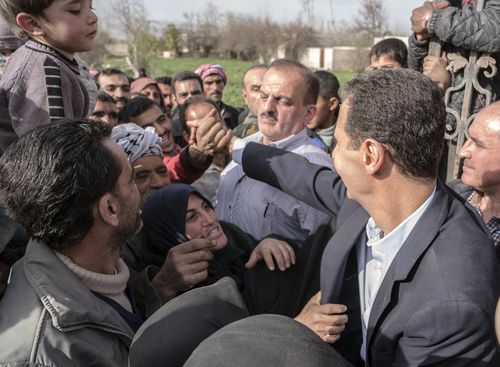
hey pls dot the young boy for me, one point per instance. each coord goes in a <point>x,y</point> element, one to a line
<point>41,82</point>
<point>389,53</point>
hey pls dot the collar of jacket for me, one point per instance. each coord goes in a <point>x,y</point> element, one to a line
<point>69,302</point>
<point>40,47</point>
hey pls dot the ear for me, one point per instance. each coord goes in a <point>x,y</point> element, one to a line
<point>245,95</point>
<point>374,156</point>
<point>310,113</point>
<point>108,210</point>
<point>333,103</point>
<point>29,23</point>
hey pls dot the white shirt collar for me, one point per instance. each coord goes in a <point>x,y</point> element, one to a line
<point>389,245</point>
<point>295,139</point>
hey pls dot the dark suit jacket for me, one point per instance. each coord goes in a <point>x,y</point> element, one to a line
<point>436,303</point>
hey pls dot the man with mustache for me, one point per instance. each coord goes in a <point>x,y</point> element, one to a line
<point>287,103</point>
<point>214,80</point>
<point>115,83</point>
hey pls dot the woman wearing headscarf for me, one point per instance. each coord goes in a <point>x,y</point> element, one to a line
<point>179,213</point>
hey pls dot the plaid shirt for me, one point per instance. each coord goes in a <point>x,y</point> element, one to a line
<point>493,225</point>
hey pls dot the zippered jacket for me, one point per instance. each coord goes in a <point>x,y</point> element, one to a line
<point>48,317</point>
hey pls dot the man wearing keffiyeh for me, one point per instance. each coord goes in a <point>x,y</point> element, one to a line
<point>214,81</point>
<point>142,147</point>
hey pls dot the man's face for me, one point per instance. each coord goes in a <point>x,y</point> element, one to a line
<point>161,123</point>
<point>186,89</point>
<point>105,112</point>
<point>68,26</point>
<point>166,93</point>
<point>117,86</point>
<point>152,93</point>
<point>346,159</point>
<point>251,87</point>
<point>150,174</point>
<point>481,153</point>
<point>384,62</point>
<point>125,190</point>
<point>281,109</point>
<point>324,113</point>
<point>213,85</point>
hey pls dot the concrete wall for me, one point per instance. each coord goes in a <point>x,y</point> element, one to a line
<point>318,58</point>
<point>336,58</point>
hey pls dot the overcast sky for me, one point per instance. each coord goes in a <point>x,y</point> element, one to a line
<point>398,11</point>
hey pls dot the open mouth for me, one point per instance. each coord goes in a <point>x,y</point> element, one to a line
<point>213,233</point>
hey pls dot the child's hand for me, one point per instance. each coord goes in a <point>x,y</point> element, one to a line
<point>270,248</point>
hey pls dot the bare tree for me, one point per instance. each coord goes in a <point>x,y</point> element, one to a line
<point>190,29</point>
<point>371,19</point>
<point>297,36</point>
<point>249,37</point>
<point>207,33</point>
<point>142,44</point>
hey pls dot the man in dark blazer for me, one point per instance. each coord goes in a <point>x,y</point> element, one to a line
<point>428,294</point>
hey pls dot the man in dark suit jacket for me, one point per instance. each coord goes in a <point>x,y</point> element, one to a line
<point>423,260</point>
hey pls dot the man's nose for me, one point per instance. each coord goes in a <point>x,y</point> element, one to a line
<point>465,151</point>
<point>159,129</point>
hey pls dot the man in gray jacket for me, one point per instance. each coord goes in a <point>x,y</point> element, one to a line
<point>69,300</point>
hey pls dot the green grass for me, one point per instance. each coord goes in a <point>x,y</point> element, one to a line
<point>234,69</point>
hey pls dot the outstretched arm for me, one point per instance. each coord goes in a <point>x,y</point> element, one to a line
<point>315,185</point>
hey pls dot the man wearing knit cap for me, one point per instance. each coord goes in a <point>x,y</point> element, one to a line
<point>148,87</point>
<point>214,80</point>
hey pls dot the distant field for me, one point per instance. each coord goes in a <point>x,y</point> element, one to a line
<point>234,70</point>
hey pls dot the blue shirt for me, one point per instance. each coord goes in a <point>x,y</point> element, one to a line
<point>260,209</point>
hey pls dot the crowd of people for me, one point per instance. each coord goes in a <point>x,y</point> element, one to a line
<point>145,222</point>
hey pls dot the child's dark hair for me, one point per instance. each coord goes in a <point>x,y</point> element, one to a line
<point>392,47</point>
<point>10,8</point>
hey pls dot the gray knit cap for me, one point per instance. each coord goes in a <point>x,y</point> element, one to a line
<point>7,39</point>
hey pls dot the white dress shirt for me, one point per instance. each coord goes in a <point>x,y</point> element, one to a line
<point>375,258</point>
<point>260,209</point>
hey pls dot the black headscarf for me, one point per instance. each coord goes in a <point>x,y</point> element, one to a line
<point>164,216</point>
